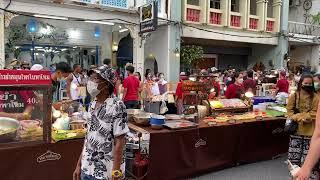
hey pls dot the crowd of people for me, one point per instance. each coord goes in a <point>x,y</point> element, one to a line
<point>107,93</point>
<point>303,92</point>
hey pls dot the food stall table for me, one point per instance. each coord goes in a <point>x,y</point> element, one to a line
<point>50,161</point>
<point>190,152</point>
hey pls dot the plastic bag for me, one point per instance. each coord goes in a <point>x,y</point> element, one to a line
<point>163,107</point>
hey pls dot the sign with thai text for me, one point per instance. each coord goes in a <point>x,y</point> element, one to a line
<point>149,17</point>
<point>15,77</point>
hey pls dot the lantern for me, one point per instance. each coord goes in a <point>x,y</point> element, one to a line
<point>32,26</point>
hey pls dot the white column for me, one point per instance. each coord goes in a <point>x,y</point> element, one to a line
<point>2,50</point>
<point>224,6</point>
<point>203,14</point>
<point>277,14</point>
<point>138,50</point>
<point>262,13</point>
<point>243,9</point>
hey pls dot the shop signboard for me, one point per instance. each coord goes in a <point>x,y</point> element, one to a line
<point>149,17</point>
<point>24,77</point>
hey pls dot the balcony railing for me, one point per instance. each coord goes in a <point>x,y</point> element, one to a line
<point>270,24</point>
<point>253,22</point>
<point>235,19</point>
<point>122,4</point>
<point>193,13</point>
<point>215,16</point>
<point>303,28</point>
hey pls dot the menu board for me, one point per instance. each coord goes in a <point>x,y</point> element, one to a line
<point>23,105</point>
<point>21,115</point>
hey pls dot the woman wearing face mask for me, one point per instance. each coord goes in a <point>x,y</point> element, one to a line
<point>102,155</point>
<point>236,89</point>
<point>302,108</point>
<point>316,79</point>
<point>162,83</point>
<point>151,86</point>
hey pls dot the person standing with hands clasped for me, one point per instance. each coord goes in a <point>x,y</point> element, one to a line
<point>302,107</point>
<point>102,157</point>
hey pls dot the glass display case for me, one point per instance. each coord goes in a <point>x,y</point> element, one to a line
<point>25,107</point>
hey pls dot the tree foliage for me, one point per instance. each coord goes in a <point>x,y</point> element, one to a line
<point>190,54</point>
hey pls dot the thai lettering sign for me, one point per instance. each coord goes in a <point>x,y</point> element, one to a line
<point>149,17</point>
<point>14,77</point>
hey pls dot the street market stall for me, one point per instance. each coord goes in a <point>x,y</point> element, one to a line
<point>192,152</point>
<point>26,149</point>
<point>229,132</point>
<point>222,133</point>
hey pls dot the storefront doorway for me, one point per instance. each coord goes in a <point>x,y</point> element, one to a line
<point>49,41</point>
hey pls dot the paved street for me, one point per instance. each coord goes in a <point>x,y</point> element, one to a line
<point>267,170</point>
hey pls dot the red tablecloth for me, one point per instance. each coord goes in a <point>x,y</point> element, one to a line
<point>174,154</point>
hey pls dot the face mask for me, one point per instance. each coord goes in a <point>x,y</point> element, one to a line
<point>316,86</point>
<point>307,88</point>
<point>92,88</point>
<point>229,79</point>
<point>240,81</point>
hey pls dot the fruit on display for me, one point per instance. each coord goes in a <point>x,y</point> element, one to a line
<point>232,103</point>
<point>223,118</point>
<point>227,103</point>
<point>59,135</point>
<point>30,130</point>
<point>216,104</point>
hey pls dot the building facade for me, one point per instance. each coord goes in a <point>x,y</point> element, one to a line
<point>235,32</point>
<point>155,50</point>
<point>304,32</point>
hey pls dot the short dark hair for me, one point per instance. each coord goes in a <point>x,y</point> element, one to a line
<point>63,67</point>
<point>130,69</point>
<point>107,61</point>
<point>75,66</point>
<point>250,74</point>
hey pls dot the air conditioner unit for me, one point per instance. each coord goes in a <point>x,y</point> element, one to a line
<point>294,3</point>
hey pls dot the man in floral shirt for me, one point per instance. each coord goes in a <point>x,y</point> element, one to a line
<point>102,157</point>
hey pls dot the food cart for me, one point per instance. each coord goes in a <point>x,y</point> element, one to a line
<point>26,147</point>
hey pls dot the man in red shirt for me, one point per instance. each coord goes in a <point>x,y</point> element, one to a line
<point>131,90</point>
<point>283,84</point>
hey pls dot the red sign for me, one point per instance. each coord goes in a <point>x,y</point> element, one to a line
<point>14,77</point>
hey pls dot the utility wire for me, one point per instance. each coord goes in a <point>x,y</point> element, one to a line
<point>8,5</point>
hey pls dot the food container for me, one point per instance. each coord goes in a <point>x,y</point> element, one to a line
<point>202,111</point>
<point>157,120</point>
<point>142,119</point>
<point>8,129</point>
<point>131,113</point>
<point>79,124</point>
<point>29,124</point>
<point>173,117</point>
